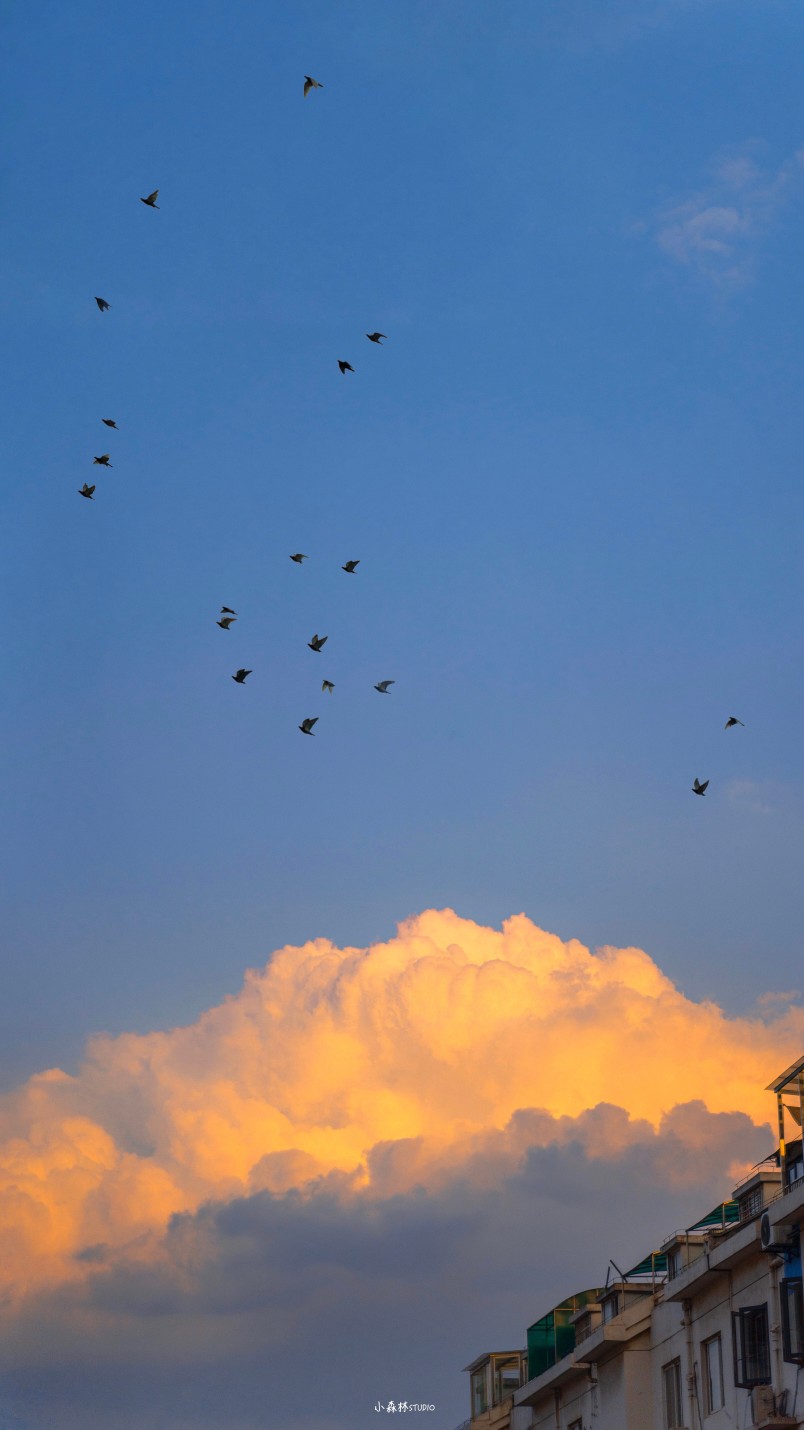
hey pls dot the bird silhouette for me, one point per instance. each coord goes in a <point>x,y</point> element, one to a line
<point>732,720</point>
<point>699,788</point>
<point>383,686</point>
<point>350,567</point>
<point>345,366</point>
<point>328,685</point>
<point>241,675</point>
<point>299,557</point>
<point>86,491</point>
<point>375,337</point>
<point>225,622</point>
<point>310,83</point>
<point>151,200</point>
<point>317,642</point>
<point>227,611</point>
<point>109,422</point>
<point>306,726</point>
<point>102,461</point>
<point>102,304</point>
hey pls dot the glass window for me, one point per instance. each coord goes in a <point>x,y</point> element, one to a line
<point>506,1379</point>
<point>792,1319</point>
<point>751,1204</point>
<point>610,1306</point>
<point>480,1399</point>
<point>713,1374</point>
<point>751,1346</point>
<point>671,1375</point>
<point>674,1263</point>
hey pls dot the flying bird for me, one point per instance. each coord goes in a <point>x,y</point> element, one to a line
<point>227,611</point>
<point>317,642</point>
<point>375,337</point>
<point>299,557</point>
<point>345,366</point>
<point>310,83</point>
<point>732,720</point>
<point>350,567</point>
<point>102,304</point>
<point>241,675</point>
<point>328,685</point>
<point>699,788</point>
<point>225,622</point>
<point>306,726</point>
<point>383,686</point>
<point>86,491</point>
<point>151,200</point>
<point>109,422</point>
<point>102,461</point>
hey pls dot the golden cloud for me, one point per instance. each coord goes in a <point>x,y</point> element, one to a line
<point>432,1041</point>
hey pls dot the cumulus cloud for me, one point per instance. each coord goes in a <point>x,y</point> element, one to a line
<point>715,229</point>
<point>381,1067</point>
<point>302,1309</point>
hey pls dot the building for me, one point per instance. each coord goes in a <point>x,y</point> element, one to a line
<point>707,1332</point>
<point>494,1377</point>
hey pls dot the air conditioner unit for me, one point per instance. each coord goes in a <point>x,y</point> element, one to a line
<point>763,1403</point>
<point>777,1238</point>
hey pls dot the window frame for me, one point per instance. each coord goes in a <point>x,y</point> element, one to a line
<point>792,1288</point>
<point>480,1382</point>
<point>739,1320</point>
<point>672,1368</point>
<point>709,1406</point>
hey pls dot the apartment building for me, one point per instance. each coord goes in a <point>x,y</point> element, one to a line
<point>707,1332</point>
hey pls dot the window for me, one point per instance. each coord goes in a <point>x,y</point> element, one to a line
<point>583,1328</point>
<point>671,1375</point>
<point>792,1320</point>
<point>610,1306</point>
<point>712,1374</point>
<point>751,1204</point>
<point>576,1425</point>
<point>751,1346</point>
<point>506,1380</point>
<point>674,1263</point>
<point>480,1399</point>
<point>794,1168</point>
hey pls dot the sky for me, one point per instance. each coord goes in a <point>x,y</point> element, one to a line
<point>571,477</point>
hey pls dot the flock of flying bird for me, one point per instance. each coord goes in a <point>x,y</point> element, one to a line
<point>227,615</point>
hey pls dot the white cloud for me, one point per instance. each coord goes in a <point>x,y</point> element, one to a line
<point>716,230</point>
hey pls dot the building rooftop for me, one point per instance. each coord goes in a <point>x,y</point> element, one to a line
<point>788,1080</point>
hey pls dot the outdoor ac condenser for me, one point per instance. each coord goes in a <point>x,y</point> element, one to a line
<point>776,1238</point>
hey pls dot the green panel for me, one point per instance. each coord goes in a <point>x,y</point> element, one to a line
<point>724,1214</point>
<point>552,1337</point>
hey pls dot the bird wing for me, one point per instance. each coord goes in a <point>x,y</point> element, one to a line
<point>703,786</point>
<point>313,721</point>
<point>152,197</point>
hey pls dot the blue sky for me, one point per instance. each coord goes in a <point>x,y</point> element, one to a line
<point>571,476</point>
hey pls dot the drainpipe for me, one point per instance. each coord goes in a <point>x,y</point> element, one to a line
<point>687,1323</point>
<point>557,1404</point>
<point>776,1323</point>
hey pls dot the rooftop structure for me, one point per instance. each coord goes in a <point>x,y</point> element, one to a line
<point>705,1332</point>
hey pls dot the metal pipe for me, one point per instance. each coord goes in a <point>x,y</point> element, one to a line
<point>687,1313</point>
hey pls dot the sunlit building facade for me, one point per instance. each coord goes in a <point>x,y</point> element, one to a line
<point>707,1332</point>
